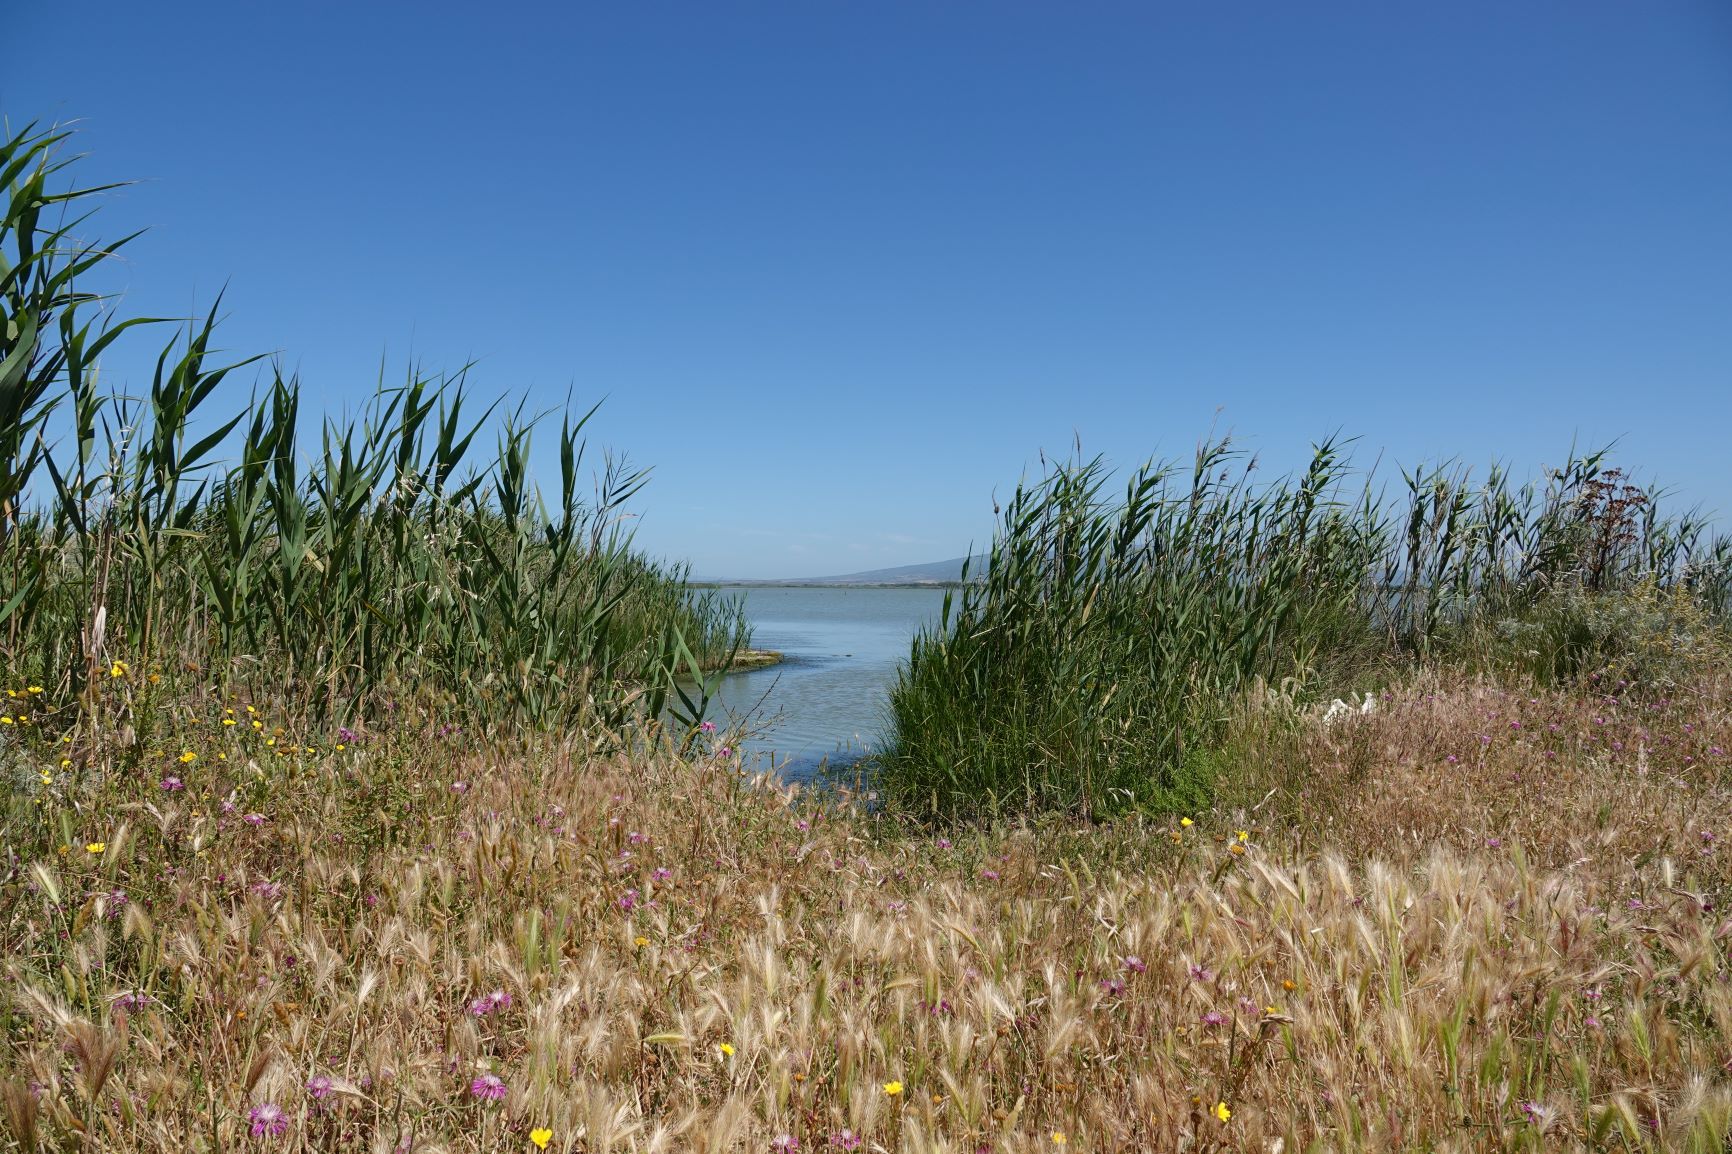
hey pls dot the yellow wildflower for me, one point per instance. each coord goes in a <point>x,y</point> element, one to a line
<point>35,689</point>
<point>118,669</point>
<point>228,721</point>
<point>541,1136</point>
<point>1058,1138</point>
<point>1186,822</point>
<point>95,846</point>
<point>1220,1111</point>
<point>188,757</point>
<point>893,1088</point>
<point>726,1049</point>
<point>640,941</point>
<point>1244,836</point>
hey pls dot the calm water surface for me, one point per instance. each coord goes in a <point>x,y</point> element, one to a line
<point>827,699</point>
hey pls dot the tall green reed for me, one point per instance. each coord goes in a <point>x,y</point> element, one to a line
<point>1091,664</point>
<point>334,564</point>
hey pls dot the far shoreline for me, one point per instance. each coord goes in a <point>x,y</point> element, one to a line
<point>825,584</point>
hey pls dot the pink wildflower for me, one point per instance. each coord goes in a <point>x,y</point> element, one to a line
<point>268,1120</point>
<point>488,1086</point>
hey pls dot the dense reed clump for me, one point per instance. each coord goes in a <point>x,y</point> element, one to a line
<point>1434,936</point>
<point>1093,660</point>
<point>376,555</point>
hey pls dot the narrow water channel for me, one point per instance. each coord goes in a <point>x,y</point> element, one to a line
<point>826,700</point>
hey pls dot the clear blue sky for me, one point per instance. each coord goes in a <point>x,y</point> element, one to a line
<point>843,269</point>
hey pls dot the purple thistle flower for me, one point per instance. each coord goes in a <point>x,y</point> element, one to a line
<point>268,1120</point>
<point>171,784</point>
<point>628,901</point>
<point>488,1086</point>
<point>320,1085</point>
<point>784,1142</point>
<point>1201,974</point>
<point>487,1003</point>
<point>707,727</point>
<point>1214,1018</point>
<point>254,819</point>
<point>661,874</point>
<point>345,735</point>
<point>847,1140</point>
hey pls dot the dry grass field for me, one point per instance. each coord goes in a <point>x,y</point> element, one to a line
<point>1478,919</point>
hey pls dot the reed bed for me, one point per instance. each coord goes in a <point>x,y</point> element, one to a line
<point>340,562</point>
<point>337,811</point>
<point>1479,919</point>
<point>1092,661</point>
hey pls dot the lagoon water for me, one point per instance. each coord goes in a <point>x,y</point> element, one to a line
<point>827,698</point>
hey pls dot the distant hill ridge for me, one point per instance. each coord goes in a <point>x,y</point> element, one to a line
<point>928,573</point>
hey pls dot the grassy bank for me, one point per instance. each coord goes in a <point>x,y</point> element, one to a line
<point>1093,664</point>
<point>338,810</point>
<point>1484,917</point>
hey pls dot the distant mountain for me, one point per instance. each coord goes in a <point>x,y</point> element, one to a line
<point>930,573</point>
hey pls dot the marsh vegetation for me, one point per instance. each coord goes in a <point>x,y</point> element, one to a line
<point>357,798</point>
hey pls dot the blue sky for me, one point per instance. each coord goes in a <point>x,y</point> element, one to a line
<point>842,270</point>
